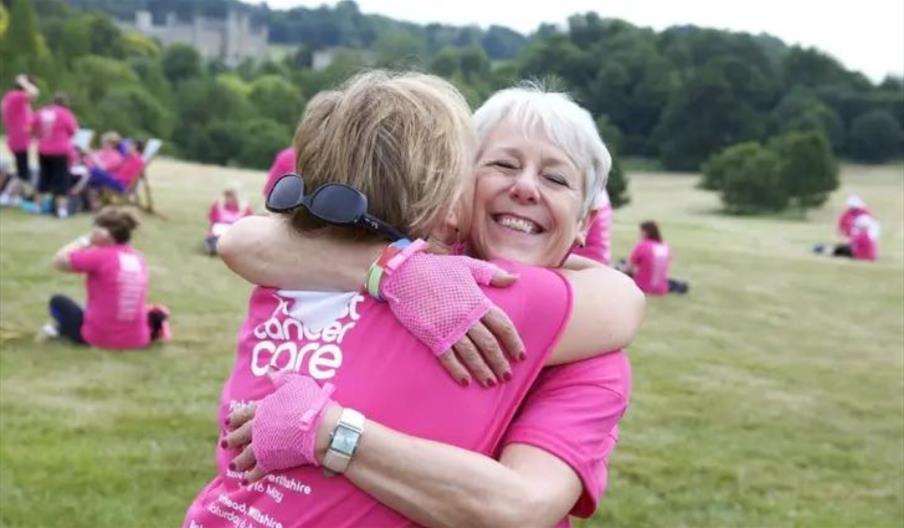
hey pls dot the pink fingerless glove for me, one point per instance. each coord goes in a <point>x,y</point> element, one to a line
<point>437,298</point>
<point>286,422</point>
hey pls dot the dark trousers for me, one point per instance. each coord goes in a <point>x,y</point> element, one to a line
<point>843,250</point>
<point>22,169</point>
<point>100,179</point>
<point>55,177</point>
<point>69,317</point>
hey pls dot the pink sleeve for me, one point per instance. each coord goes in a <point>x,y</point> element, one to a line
<point>572,412</point>
<point>72,122</point>
<point>636,254</point>
<point>213,213</point>
<point>86,260</point>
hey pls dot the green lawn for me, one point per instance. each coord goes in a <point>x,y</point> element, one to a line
<point>772,395</point>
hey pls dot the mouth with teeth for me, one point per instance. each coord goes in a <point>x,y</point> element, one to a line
<point>518,224</point>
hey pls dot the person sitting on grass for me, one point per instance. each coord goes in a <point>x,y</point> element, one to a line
<point>116,315</point>
<point>224,212</point>
<point>649,263</point>
<point>863,241</point>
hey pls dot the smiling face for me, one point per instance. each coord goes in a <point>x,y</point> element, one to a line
<point>527,200</point>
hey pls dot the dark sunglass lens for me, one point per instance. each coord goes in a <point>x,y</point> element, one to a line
<point>338,204</point>
<point>286,194</point>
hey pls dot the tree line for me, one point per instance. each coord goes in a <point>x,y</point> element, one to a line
<point>681,96</point>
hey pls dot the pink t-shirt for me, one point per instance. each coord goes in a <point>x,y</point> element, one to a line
<point>16,109</point>
<point>572,412</point>
<point>129,170</point>
<point>863,246</point>
<point>598,245</point>
<point>222,215</point>
<point>108,159</point>
<point>847,219</point>
<point>379,369</point>
<point>651,266</point>
<point>115,313</point>
<point>54,126</point>
<point>284,163</point>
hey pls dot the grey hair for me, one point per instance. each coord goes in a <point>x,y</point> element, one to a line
<point>530,106</point>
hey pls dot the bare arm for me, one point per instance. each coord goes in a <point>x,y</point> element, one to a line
<point>265,250</point>
<point>439,485</point>
<point>608,306</point>
<point>61,258</point>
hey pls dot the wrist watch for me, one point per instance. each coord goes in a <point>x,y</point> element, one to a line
<point>344,441</point>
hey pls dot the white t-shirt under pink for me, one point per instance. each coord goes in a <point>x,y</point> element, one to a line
<point>380,369</point>
<point>117,284</point>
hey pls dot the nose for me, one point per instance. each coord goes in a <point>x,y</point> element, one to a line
<point>525,189</point>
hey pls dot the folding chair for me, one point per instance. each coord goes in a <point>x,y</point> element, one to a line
<point>142,185</point>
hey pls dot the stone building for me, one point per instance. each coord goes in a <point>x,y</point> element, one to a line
<point>231,39</point>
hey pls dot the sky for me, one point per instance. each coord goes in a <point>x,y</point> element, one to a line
<point>865,35</point>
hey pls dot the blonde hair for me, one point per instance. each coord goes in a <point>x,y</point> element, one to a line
<point>405,140</point>
<point>111,136</point>
<point>532,107</point>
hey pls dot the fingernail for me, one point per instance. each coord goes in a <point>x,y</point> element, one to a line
<point>224,444</point>
<point>232,466</point>
<point>464,382</point>
<point>491,382</point>
<point>507,375</point>
<point>521,356</point>
<point>244,482</point>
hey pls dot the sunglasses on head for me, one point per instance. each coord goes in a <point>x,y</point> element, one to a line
<point>333,203</point>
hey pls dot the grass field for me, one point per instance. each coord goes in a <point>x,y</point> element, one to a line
<point>772,395</point>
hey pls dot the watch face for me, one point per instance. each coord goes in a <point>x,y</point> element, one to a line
<point>345,440</point>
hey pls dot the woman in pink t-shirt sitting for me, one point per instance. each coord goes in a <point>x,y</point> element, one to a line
<point>860,231</point>
<point>534,189</point>
<point>649,263</point>
<point>224,212</point>
<point>116,315</point>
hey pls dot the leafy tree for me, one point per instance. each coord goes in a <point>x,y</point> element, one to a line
<point>712,110</point>
<point>261,138</point>
<point>730,160</point>
<point>276,98</point>
<point>95,76</point>
<point>132,111</point>
<point>474,64</point>
<point>610,133</point>
<point>800,112</point>
<point>400,49</point>
<point>617,185</point>
<point>753,183</point>
<point>22,47</point>
<point>181,62</point>
<point>875,137</point>
<point>445,63</point>
<point>807,168</point>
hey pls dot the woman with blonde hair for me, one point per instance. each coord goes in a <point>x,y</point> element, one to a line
<point>394,152</point>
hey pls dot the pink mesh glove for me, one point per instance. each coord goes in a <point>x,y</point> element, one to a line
<point>437,298</point>
<point>286,422</point>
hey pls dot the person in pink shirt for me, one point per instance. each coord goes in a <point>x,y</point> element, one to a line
<point>283,163</point>
<point>553,457</point>
<point>17,116</point>
<point>649,263</point>
<point>598,245</point>
<point>854,208</point>
<point>224,212</point>
<point>859,243</point>
<point>865,238</point>
<point>54,125</point>
<point>116,315</point>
